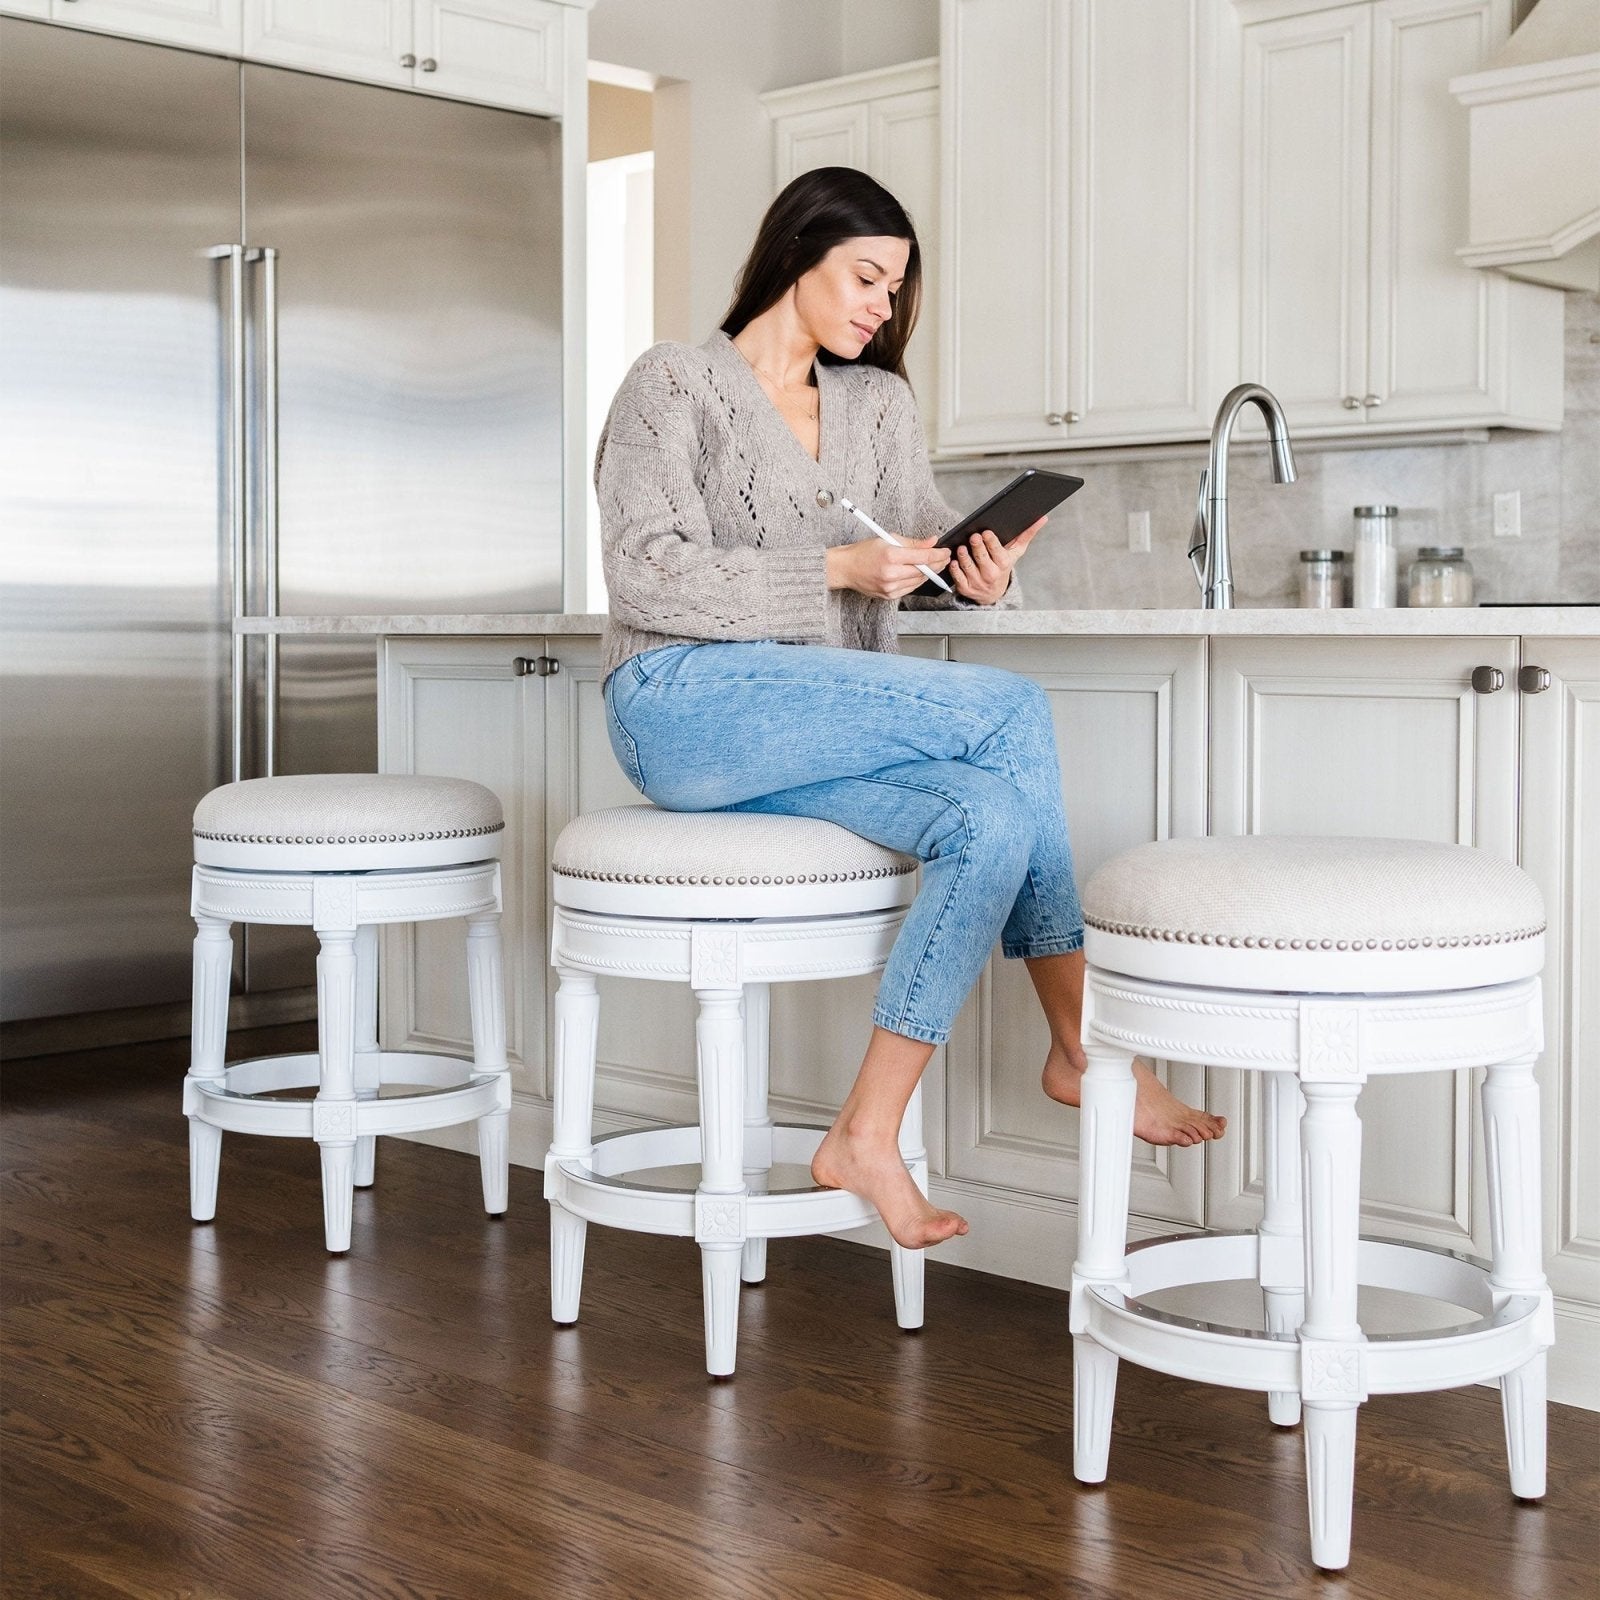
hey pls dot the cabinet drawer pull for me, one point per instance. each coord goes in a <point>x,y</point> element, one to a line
<point>408,60</point>
<point>1488,680</point>
<point>535,666</point>
<point>1533,680</point>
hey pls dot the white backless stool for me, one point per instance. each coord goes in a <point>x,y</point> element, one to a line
<point>1320,963</point>
<point>729,904</point>
<point>342,853</point>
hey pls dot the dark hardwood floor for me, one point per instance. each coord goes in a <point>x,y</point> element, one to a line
<point>225,1411</point>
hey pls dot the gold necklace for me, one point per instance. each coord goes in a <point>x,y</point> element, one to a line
<point>787,388</point>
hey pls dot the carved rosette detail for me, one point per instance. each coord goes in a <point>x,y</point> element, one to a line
<point>1330,1043</point>
<point>714,958</point>
<point>718,1219</point>
<point>1331,1372</point>
<point>332,1119</point>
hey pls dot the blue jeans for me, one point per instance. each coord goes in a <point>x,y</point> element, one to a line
<point>950,763</point>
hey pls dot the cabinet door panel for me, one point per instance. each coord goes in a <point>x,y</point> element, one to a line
<point>1303,279</point>
<point>454,708</point>
<point>360,39</point>
<point>1136,343</point>
<point>198,24</point>
<point>1004,251</point>
<point>1129,719</point>
<point>501,52</point>
<point>1366,738</point>
<point>836,137</point>
<point>1434,320</point>
<point>1561,848</point>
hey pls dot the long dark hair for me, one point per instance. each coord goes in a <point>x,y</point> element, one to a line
<point>820,209</point>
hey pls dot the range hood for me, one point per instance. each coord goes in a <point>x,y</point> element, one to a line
<point>1534,114</point>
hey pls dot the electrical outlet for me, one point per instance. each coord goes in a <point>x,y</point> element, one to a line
<point>1508,514</point>
<point>1139,532</point>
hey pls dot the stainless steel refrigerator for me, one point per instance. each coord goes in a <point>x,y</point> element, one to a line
<point>268,342</point>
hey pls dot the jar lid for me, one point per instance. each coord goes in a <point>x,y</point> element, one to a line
<point>1322,555</point>
<point>1377,511</point>
<point>1440,552</point>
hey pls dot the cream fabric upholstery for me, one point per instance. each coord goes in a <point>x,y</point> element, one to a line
<point>641,861</point>
<point>1367,913</point>
<point>333,822</point>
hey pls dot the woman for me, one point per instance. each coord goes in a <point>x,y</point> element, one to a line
<point>751,659</point>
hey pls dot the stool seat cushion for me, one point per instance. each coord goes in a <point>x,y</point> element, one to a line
<point>642,861</point>
<point>347,822</point>
<point>1334,914</point>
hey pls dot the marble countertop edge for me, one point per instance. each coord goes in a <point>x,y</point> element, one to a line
<point>1401,622</point>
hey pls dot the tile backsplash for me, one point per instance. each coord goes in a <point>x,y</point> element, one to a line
<point>1445,493</point>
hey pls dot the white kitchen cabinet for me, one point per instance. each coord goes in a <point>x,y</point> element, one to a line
<point>1560,844</point>
<point>1355,310</point>
<point>1130,736</point>
<point>213,25</point>
<point>1080,238</point>
<point>886,123</point>
<point>1334,736</point>
<point>499,52</point>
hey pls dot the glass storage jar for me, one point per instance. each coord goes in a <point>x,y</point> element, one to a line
<point>1440,576</point>
<point>1322,578</point>
<point>1375,580</point>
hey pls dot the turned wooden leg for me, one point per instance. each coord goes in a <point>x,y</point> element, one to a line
<point>719,1201</point>
<point>909,1266</point>
<point>757,1121</point>
<point>1282,1248</point>
<point>368,1075</point>
<point>1331,1359</point>
<point>577,1029</point>
<point>213,971</point>
<point>333,1112</point>
<point>1511,1141</point>
<point>1105,1166</point>
<point>486,1001</point>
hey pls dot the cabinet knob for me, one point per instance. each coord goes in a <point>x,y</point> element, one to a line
<point>1054,418</point>
<point>1533,680</point>
<point>535,666</point>
<point>1350,403</point>
<point>1487,680</point>
<point>408,60</point>
<point>429,64</point>
<point>1071,417</point>
<point>1372,401</point>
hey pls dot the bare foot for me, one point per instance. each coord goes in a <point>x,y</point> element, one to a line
<point>1159,1116</point>
<point>877,1172</point>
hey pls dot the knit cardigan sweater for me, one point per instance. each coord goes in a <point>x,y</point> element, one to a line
<point>709,521</point>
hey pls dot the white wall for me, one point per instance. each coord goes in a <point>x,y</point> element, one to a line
<point>713,140</point>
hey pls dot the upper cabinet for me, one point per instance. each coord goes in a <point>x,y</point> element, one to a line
<point>886,123</point>
<point>510,53</point>
<point>1355,310</point>
<point>1144,205</point>
<point>1079,245</point>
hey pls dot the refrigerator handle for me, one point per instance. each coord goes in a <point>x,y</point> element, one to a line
<point>235,491</point>
<point>268,257</point>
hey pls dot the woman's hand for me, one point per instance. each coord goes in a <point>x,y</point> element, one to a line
<point>981,570</point>
<point>883,571</point>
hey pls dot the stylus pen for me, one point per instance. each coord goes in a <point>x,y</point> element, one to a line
<point>883,533</point>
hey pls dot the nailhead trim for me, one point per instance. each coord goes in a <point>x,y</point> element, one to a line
<point>1258,942</point>
<point>353,838</point>
<point>813,877</point>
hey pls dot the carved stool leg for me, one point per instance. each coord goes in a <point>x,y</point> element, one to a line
<point>486,1001</point>
<point>909,1266</point>
<point>333,1122</point>
<point>213,971</point>
<point>577,1012</point>
<point>719,1201</point>
<point>1282,1250</point>
<point>1105,1154</point>
<point>1511,1139</point>
<point>757,1121</point>
<point>367,1060</point>
<point>1331,1380</point>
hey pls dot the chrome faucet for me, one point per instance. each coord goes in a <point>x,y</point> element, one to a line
<point>1209,553</point>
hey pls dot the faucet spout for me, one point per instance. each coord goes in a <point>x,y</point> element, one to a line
<point>1209,550</point>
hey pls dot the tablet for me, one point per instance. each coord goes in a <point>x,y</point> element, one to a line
<point>1029,496</point>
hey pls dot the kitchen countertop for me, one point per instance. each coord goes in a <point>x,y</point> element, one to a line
<point>1486,621</point>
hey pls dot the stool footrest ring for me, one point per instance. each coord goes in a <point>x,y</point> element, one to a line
<point>598,1191</point>
<point>1497,1340</point>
